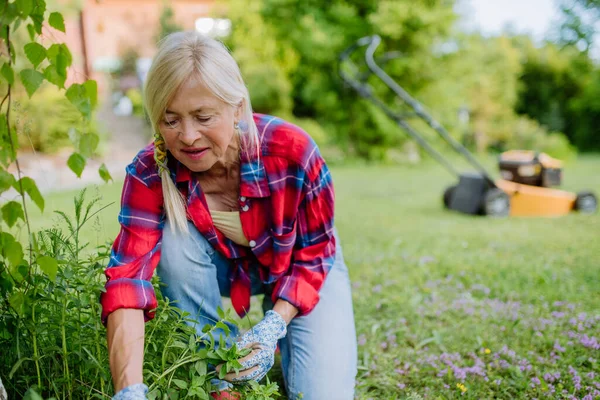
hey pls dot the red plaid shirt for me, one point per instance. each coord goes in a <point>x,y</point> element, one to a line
<point>286,209</point>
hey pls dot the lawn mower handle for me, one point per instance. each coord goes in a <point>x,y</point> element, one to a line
<point>364,89</point>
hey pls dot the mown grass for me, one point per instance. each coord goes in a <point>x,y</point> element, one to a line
<point>450,305</point>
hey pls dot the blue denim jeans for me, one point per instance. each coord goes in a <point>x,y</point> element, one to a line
<point>318,354</point>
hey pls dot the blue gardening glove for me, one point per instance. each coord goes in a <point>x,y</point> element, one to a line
<point>132,392</point>
<point>262,338</point>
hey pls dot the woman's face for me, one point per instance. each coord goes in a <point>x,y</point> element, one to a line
<point>198,128</point>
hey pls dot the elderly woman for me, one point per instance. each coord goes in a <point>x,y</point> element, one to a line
<point>229,203</point>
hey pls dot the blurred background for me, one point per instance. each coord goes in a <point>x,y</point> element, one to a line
<point>447,305</point>
<point>498,75</point>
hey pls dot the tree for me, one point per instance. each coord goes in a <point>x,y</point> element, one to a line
<point>167,22</point>
<point>580,23</point>
<point>299,71</point>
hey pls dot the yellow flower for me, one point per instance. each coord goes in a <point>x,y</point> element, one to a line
<point>487,351</point>
<point>462,387</point>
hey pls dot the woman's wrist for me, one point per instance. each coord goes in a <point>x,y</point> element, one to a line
<point>286,310</point>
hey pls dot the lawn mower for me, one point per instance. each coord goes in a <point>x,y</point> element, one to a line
<point>527,176</point>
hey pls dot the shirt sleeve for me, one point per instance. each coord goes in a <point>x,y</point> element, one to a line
<point>314,251</point>
<point>136,250</point>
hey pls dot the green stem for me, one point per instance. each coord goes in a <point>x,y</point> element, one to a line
<point>64,347</point>
<point>98,353</point>
<point>14,150</point>
<point>36,355</point>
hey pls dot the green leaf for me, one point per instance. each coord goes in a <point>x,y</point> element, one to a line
<point>38,22</point>
<point>16,301</point>
<point>56,21</point>
<point>31,30</point>
<point>30,187</point>
<point>8,74</point>
<point>16,366</point>
<point>8,15</point>
<point>11,250</point>
<point>32,395</point>
<point>104,174</point>
<point>180,384</point>
<point>7,180</point>
<point>88,144</point>
<point>200,367</point>
<point>91,88</point>
<point>35,52</point>
<point>222,372</point>
<point>40,7</point>
<point>60,56</point>
<point>77,163</point>
<point>32,80</point>
<point>11,212</point>
<point>25,7</point>
<point>13,53</point>
<point>52,75</point>
<point>77,95</point>
<point>49,265</point>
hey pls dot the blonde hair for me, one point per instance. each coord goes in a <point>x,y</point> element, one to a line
<point>180,56</point>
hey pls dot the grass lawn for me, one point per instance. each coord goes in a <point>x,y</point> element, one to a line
<point>450,305</point>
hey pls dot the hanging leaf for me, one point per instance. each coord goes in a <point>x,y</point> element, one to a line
<point>10,249</point>
<point>31,30</point>
<point>7,180</point>
<point>91,88</point>
<point>49,265</point>
<point>56,21</point>
<point>32,80</point>
<point>77,163</point>
<point>11,212</point>
<point>25,7</point>
<point>8,74</point>
<point>104,174</point>
<point>77,95</point>
<point>35,52</point>
<point>52,76</point>
<point>88,144</point>
<point>30,187</point>
<point>9,13</point>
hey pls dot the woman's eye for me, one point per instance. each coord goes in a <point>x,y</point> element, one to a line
<point>202,119</point>
<point>172,122</point>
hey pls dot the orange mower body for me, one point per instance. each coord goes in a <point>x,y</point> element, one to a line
<point>535,201</point>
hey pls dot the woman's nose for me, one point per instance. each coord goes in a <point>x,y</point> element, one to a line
<point>189,133</point>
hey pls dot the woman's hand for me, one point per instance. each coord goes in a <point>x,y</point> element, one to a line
<point>262,339</point>
<point>133,392</point>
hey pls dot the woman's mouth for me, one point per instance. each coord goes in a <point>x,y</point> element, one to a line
<point>195,153</point>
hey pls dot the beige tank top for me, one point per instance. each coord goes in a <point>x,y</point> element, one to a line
<point>230,225</point>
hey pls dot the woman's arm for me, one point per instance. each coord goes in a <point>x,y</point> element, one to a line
<point>125,334</point>
<point>286,310</point>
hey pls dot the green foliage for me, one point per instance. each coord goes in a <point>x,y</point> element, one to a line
<point>137,101</point>
<point>45,120</point>
<point>586,127</point>
<point>296,69</point>
<point>556,89</point>
<point>51,323</point>
<point>167,22</point>
<point>56,21</point>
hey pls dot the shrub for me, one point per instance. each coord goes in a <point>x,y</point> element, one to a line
<point>45,120</point>
<point>52,338</point>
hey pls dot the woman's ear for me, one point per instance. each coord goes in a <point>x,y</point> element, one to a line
<point>239,110</point>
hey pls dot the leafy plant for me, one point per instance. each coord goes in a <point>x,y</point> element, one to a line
<point>51,336</point>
